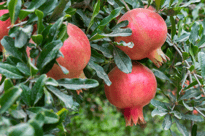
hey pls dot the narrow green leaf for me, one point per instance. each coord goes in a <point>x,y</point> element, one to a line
<point>190,94</point>
<point>8,84</point>
<point>194,130</point>
<point>23,68</point>
<point>100,72</point>
<point>10,71</point>
<point>8,98</point>
<point>67,100</point>
<point>14,7</point>
<point>158,112</point>
<point>21,39</point>
<point>105,51</point>
<point>192,117</point>
<point>50,117</point>
<point>185,55</point>
<point>96,10</point>
<point>77,83</point>
<point>18,114</point>
<point>37,90</point>
<point>194,33</point>
<point>181,128</point>
<point>26,94</point>
<point>40,25</point>
<point>167,123</point>
<point>48,53</point>
<point>38,130</point>
<point>173,28</point>
<point>122,60</point>
<point>201,59</point>
<point>37,38</point>
<point>23,129</point>
<point>36,4</point>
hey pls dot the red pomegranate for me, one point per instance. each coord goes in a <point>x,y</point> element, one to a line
<point>131,92</point>
<point>149,32</point>
<point>3,25</point>
<point>76,50</point>
<point>195,112</point>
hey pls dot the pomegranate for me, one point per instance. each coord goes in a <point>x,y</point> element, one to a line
<point>76,50</point>
<point>131,92</point>
<point>3,25</point>
<point>149,32</point>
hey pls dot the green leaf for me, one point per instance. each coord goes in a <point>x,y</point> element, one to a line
<point>14,7</point>
<point>122,43</point>
<point>100,72</point>
<point>192,117</point>
<point>10,71</point>
<point>194,130</point>
<point>53,32</point>
<point>23,129</point>
<point>161,75</point>
<point>201,59</point>
<point>48,99</point>
<point>190,2</point>
<point>105,51</point>
<point>50,117</point>
<point>48,53</point>
<point>39,118</point>
<point>122,60</point>
<point>21,39</point>
<point>8,98</point>
<point>96,57</point>
<point>113,15</point>
<point>177,114</point>
<point>38,129</point>
<point>194,33</point>
<point>181,128</point>
<point>158,112</point>
<point>62,34</point>
<point>201,44</point>
<point>67,100</point>
<point>36,4</point>
<point>4,17</point>
<point>158,104</point>
<point>96,10</point>
<point>167,123</point>
<point>185,55</point>
<point>40,25</point>
<point>33,68</point>
<point>158,4</point>
<point>192,93</point>
<point>8,84</point>
<point>173,28</point>
<point>187,106</point>
<point>8,44</point>
<point>37,38</point>
<point>58,10</point>
<point>37,90</point>
<point>51,81</point>
<point>24,13</point>
<point>77,83</point>
<point>26,94</point>
<point>23,68</point>
<point>34,111</point>
<point>18,114</point>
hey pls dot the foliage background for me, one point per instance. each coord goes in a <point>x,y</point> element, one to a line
<point>90,113</point>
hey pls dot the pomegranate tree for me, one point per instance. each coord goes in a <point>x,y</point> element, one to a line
<point>131,92</point>
<point>76,50</point>
<point>149,32</point>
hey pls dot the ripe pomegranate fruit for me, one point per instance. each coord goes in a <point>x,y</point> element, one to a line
<point>76,50</point>
<point>3,25</point>
<point>131,92</point>
<point>149,32</point>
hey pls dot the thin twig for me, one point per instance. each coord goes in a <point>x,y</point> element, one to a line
<point>19,24</point>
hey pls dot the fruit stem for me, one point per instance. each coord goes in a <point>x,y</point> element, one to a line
<point>158,57</point>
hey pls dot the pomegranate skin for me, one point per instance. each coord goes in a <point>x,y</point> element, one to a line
<point>149,32</point>
<point>131,92</point>
<point>77,52</point>
<point>3,26</point>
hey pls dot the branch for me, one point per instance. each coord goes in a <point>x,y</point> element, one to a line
<point>199,112</point>
<point>125,5</point>
<point>180,53</point>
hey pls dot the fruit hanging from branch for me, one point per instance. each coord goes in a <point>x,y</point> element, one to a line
<point>149,32</point>
<point>131,92</point>
<point>76,50</point>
